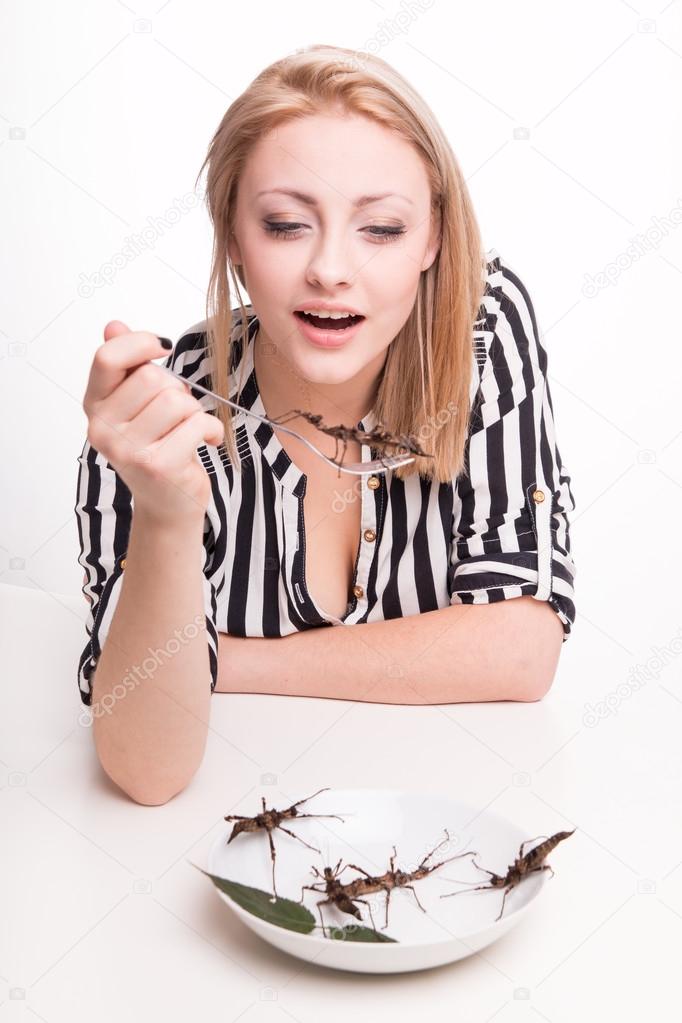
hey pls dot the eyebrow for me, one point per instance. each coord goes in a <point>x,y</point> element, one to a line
<point>309,200</point>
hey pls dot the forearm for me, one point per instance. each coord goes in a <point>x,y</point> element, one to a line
<point>151,723</point>
<point>460,653</point>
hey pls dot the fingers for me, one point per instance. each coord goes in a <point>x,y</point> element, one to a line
<point>177,449</point>
<point>139,390</point>
<point>113,360</point>
<point>166,410</point>
<point>114,328</point>
<point>148,424</point>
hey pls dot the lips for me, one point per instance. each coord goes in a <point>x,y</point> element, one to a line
<point>328,322</point>
<point>331,333</point>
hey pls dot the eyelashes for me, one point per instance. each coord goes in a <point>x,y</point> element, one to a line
<point>378,234</point>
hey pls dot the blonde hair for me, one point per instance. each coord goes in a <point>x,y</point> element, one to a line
<point>414,393</point>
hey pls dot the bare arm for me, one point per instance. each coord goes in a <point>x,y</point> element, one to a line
<point>461,653</point>
<point>151,691</point>
<point>142,495</point>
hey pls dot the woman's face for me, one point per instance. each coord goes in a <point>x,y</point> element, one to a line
<point>326,247</point>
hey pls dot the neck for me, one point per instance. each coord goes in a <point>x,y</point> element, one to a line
<point>282,388</point>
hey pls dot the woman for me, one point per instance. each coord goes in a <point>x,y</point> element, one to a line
<point>331,189</point>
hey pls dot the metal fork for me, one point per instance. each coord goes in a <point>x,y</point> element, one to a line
<point>357,468</point>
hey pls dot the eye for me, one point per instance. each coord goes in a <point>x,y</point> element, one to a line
<point>291,230</point>
<point>386,234</point>
<point>282,230</point>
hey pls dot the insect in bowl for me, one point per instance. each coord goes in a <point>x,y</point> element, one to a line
<point>423,929</point>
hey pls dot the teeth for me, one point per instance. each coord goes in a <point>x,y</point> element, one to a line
<point>326,314</point>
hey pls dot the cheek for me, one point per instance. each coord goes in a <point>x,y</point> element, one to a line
<point>402,259</point>
<point>270,271</point>
<point>395,284</point>
<point>285,271</point>
<point>265,255</point>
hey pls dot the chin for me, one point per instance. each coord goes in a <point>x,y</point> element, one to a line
<point>324,377</point>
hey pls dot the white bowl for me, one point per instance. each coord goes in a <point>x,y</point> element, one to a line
<point>374,820</point>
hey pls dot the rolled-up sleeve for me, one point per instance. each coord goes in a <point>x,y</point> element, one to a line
<point>104,510</point>
<point>510,525</point>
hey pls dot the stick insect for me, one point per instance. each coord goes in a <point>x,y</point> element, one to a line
<point>402,879</point>
<point>523,865</point>
<point>343,896</point>
<point>378,437</point>
<point>268,820</point>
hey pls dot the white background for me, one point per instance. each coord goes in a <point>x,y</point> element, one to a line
<point>114,125</point>
<point>106,111</point>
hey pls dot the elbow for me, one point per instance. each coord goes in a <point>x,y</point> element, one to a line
<point>144,778</point>
<point>536,669</point>
<point>532,693</point>
<point>151,796</point>
<point>151,792</point>
<point>535,680</point>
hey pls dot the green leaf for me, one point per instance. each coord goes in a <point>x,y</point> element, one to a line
<point>293,916</point>
<point>282,912</point>
<point>352,932</point>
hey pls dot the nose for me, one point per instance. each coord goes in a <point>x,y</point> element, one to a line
<point>330,263</point>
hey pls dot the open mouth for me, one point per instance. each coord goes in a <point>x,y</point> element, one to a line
<point>329,322</point>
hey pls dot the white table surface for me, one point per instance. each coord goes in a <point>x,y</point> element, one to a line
<point>108,919</point>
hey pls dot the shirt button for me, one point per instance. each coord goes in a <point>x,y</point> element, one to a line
<point>358,591</point>
<point>538,496</point>
<point>373,482</point>
<point>370,535</point>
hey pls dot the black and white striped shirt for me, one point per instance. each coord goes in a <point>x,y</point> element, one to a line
<point>499,532</point>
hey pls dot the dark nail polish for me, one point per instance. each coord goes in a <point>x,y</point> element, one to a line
<point>166,343</point>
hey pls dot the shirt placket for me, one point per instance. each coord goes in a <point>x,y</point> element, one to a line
<point>357,605</point>
<point>367,543</point>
